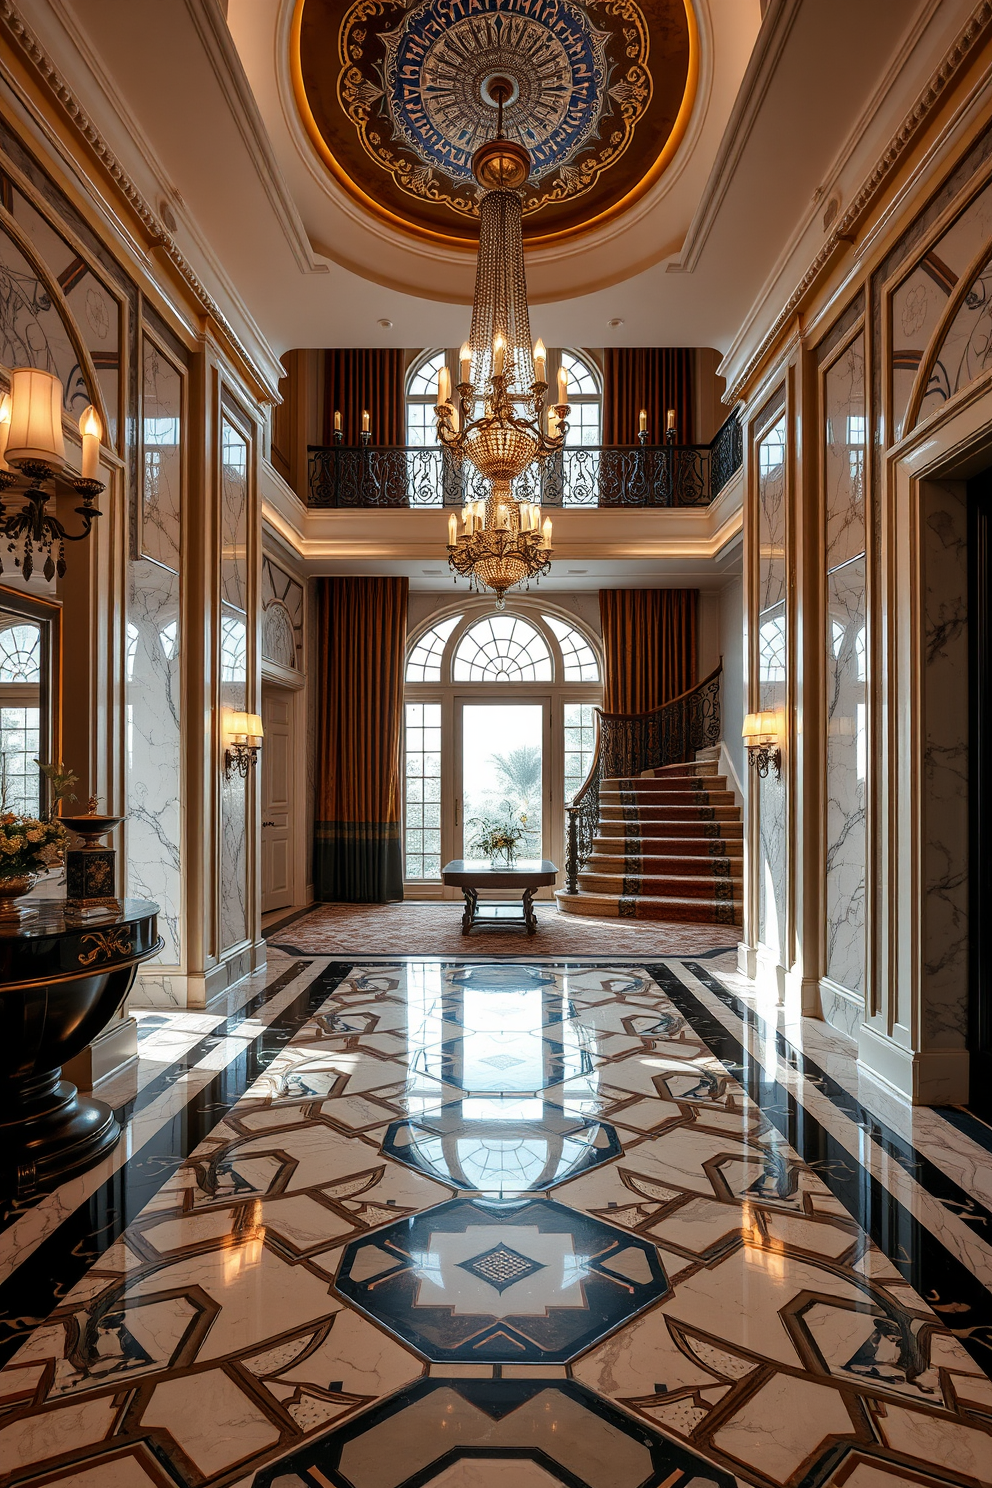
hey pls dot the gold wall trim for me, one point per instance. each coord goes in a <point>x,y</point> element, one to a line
<point>157,234</point>
<point>973,31</point>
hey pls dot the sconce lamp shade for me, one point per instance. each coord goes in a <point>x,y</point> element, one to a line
<point>760,728</point>
<point>253,727</point>
<point>244,727</point>
<point>35,417</point>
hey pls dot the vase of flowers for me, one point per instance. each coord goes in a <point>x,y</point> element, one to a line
<point>496,838</point>
<point>28,847</point>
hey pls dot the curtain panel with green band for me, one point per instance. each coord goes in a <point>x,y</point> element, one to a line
<point>361,649</point>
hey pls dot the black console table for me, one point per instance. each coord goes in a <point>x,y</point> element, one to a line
<point>62,979</point>
<point>524,878</point>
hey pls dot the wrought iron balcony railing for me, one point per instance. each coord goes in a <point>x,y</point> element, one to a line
<point>583,475</point>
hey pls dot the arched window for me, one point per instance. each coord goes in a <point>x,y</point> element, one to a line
<point>502,648</point>
<point>500,724</point>
<point>424,664</point>
<point>20,717</point>
<point>585,397</point>
<point>20,654</point>
<point>578,658</point>
<point>421,399</point>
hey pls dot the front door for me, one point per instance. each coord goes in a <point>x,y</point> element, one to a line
<point>277,799</point>
<point>502,753</point>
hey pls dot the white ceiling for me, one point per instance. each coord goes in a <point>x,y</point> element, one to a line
<point>789,111</point>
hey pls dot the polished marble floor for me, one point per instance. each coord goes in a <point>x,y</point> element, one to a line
<point>478,1224</point>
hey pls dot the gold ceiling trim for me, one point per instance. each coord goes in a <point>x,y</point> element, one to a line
<point>469,246</point>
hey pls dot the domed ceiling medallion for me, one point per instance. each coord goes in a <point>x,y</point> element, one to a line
<point>396,96</point>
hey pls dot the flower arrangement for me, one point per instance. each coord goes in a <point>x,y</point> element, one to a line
<point>497,836</point>
<point>28,845</point>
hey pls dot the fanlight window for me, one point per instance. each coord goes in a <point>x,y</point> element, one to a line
<point>20,654</point>
<point>585,422</point>
<point>502,648</point>
<point>578,658</point>
<point>424,664</point>
<point>421,397</point>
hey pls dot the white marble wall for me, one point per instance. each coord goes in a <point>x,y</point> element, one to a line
<point>944,539</point>
<point>234,918</point>
<point>152,744</point>
<point>846,664</point>
<point>153,738</point>
<point>772,689</point>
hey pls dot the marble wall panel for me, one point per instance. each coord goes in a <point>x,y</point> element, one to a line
<point>844,455</point>
<point>161,494</point>
<point>153,747</point>
<point>234,842</point>
<point>944,538</point>
<point>234,516</point>
<point>847,757</point>
<point>772,689</point>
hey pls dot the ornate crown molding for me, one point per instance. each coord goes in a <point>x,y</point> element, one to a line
<point>844,229</point>
<point>157,234</point>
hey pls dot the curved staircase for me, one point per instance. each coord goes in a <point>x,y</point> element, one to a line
<point>669,846</point>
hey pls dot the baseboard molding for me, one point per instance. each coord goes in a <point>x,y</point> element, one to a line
<point>842,1009</point>
<point>928,1077</point>
<point>729,769</point>
<point>115,1046</point>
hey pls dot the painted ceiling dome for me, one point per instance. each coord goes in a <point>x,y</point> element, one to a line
<point>396,96</point>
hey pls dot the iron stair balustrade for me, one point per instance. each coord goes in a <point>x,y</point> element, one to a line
<point>638,476</point>
<point>626,744</point>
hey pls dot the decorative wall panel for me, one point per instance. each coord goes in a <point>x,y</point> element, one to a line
<point>32,329</point>
<point>945,824</point>
<point>918,306</point>
<point>282,616</point>
<point>845,661</point>
<point>153,673</point>
<point>772,685</point>
<point>234,677</point>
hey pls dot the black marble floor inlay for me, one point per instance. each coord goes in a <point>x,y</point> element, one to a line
<point>28,1295</point>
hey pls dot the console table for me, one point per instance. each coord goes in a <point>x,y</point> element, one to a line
<point>474,878</point>
<point>62,978</point>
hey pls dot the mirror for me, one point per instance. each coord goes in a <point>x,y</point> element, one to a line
<point>29,723</point>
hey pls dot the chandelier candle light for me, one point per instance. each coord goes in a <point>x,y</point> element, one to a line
<point>31,441</point>
<point>504,542</point>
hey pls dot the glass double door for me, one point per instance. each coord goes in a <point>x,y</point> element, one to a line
<point>501,775</point>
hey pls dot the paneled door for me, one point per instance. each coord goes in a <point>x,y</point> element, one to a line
<point>277,799</point>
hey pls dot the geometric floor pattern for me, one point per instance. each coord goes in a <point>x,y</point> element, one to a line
<point>500,1226</point>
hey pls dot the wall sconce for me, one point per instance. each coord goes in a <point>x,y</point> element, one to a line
<point>31,439</point>
<point>245,732</point>
<point>761,734</point>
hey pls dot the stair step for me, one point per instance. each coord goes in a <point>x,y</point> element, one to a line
<point>660,799</point>
<point>656,865</point>
<point>662,886</point>
<point>667,831</point>
<point>686,911</point>
<point>645,814</point>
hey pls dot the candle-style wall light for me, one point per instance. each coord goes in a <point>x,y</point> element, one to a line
<point>31,442</point>
<point>245,733</point>
<point>761,734</point>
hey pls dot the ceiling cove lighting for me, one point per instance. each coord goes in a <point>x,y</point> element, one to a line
<point>498,420</point>
<point>31,442</point>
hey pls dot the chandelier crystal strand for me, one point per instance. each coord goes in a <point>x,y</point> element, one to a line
<point>503,543</point>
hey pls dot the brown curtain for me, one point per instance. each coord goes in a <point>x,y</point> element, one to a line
<point>649,643</point>
<point>361,647</point>
<point>357,378</point>
<point>652,377</point>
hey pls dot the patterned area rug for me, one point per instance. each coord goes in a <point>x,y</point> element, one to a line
<point>413,929</point>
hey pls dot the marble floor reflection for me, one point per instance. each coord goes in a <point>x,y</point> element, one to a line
<point>475,1225</point>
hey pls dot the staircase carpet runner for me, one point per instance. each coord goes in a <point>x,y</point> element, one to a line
<point>669,846</point>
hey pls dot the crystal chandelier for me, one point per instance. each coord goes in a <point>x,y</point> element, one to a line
<point>503,542</point>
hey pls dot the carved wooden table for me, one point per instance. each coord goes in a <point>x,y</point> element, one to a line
<point>524,878</point>
<point>61,981</point>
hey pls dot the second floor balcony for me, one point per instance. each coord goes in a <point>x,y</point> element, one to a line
<point>377,477</point>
